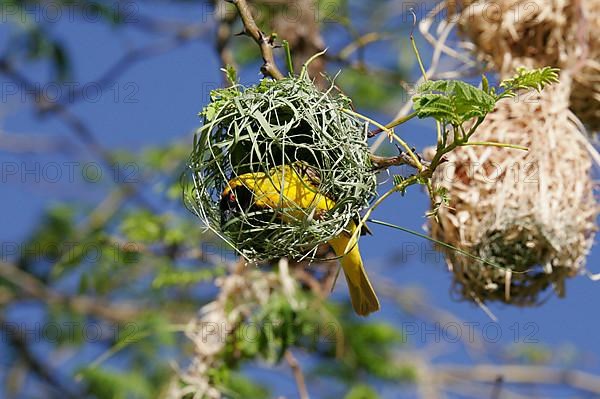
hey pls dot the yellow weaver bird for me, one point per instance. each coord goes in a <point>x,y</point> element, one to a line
<point>292,189</point>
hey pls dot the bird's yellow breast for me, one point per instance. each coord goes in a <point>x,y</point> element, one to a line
<point>284,187</point>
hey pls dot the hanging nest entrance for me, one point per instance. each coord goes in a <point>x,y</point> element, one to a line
<point>531,213</point>
<point>265,130</point>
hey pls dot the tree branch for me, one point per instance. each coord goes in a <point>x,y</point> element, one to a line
<point>269,68</point>
<point>298,375</point>
<point>386,162</point>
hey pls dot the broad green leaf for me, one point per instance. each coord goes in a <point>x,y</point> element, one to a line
<point>451,101</point>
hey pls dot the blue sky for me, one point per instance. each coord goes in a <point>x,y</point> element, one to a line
<point>157,101</point>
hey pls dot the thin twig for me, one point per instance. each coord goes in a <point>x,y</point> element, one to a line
<point>392,124</point>
<point>521,374</point>
<point>497,388</point>
<point>298,375</point>
<point>400,159</point>
<point>361,42</point>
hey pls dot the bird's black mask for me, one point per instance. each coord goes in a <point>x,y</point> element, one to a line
<point>234,203</point>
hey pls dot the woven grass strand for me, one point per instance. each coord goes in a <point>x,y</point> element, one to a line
<point>277,123</point>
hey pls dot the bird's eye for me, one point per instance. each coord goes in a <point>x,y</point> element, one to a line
<point>231,197</point>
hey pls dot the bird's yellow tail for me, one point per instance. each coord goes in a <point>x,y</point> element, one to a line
<point>364,299</point>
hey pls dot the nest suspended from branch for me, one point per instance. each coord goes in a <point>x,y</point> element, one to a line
<point>265,129</point>
<point>512,33</point>
<point>531,213</point>
<point>537,33</point>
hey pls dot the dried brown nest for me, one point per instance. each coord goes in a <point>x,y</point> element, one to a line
<point>532,214</point>
<point>585,98</point>
<point>537,33</point>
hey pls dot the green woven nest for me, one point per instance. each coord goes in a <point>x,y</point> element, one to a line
<point>268,125</point>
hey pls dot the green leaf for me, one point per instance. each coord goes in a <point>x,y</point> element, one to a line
<point>116,384</point>
<point>209,112</point>
<point>172,277</point>
<point>440,193</point>
<point>161,159</point>
<point>451,101</point>
<point>238,386</point>
<point>219,98</point>
<point>370,349</point>
<point>361,391</point>
<point>142,226</point>
<point>527,79</point>
<point>485,84</point>
<point>231,74</point>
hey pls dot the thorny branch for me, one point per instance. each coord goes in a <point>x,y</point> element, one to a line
<point>269,68</point>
